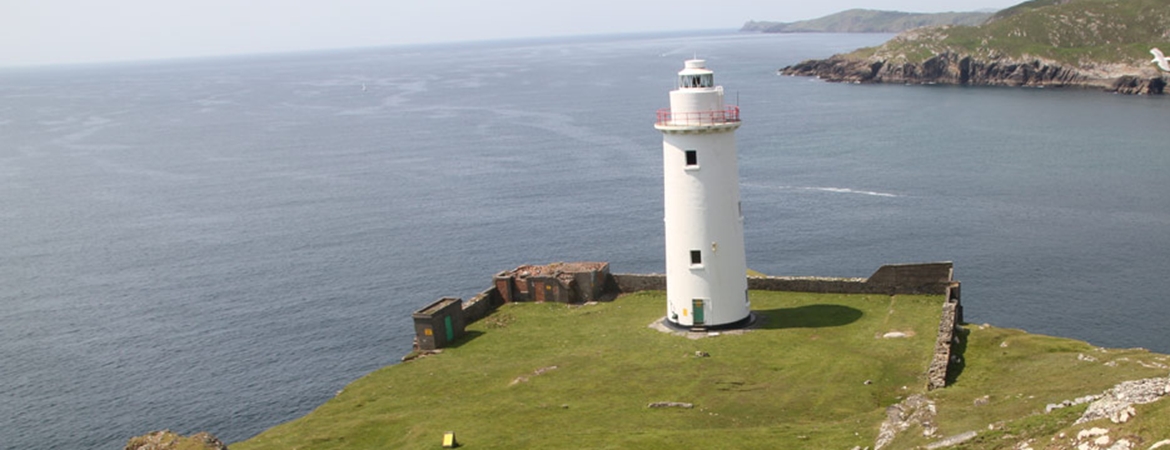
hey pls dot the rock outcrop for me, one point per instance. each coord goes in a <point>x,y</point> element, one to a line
<point>1116,404</point>
<point>169,440</point>
<point>1103,44</point>
<point>959,69</point>
<point>914,410</point>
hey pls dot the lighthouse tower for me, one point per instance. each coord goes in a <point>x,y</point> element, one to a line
<point>706,269</point>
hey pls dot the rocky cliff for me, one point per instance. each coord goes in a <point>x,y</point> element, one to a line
<point>961,69</point>
<point>1071,43</point>
<point>169,440</point>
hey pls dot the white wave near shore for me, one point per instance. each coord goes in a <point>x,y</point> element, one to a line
<point>834,190</point>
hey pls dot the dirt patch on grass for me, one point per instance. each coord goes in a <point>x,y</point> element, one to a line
<point>535,373</point>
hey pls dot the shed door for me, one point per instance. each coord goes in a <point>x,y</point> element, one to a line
<point>450,329</point>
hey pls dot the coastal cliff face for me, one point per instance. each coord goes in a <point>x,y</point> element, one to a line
<point>169,440</point>
<point>1101,44</point>
<point>960,69</point>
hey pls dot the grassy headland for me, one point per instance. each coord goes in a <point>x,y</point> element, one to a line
<point>1101,43</point>
<point>817,373</point>
<point>868,21</point>
<point>1073,33</point>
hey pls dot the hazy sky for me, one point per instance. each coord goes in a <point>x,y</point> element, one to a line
<point>65,31</point>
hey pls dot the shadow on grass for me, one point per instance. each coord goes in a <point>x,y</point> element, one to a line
<point>468,336</point>
<point>810,316</point>
<point>958,359</point>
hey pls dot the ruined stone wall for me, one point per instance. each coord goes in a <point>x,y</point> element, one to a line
<point>482,304</point>
<point>940,364</point>
<point>909,279</point>
<point>575,282</point>
<point>814,284</point>
<point>634,282</point>
<point>890,279</point>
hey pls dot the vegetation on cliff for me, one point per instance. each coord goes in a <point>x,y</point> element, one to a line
<point>868,21</point>
<point>821,371</point>
<point>1100,43</point>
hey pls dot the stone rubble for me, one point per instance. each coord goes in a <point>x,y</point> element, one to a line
<point>169,440</point>
<point>1116,404</point>
<point>952,440</point>
<point>671,405</point>
<point>1077,401</point>
<point>914,410</point>
<point>535,373</point>
<point>1153,365</point>
<point>1098,439</point>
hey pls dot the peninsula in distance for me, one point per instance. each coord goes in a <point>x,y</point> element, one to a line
<point>1099,44</point>
<point>869,21</point>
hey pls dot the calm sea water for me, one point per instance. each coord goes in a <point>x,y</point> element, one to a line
<point>223,244</point>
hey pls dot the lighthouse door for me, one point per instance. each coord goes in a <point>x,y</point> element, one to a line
<point>697,305</point>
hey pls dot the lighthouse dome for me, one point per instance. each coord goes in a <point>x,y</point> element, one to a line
<point>695,74</point>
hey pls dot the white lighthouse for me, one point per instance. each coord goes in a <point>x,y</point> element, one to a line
<point>706,269</point>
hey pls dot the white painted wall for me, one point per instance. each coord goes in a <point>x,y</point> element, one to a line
<point>702,211</point>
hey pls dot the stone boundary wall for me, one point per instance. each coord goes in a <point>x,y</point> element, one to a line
<point>910,279</point>
<point>952,316</point>
<point>635,282</point>
<point>482,304</point>
<point>890,279</point>
<point>814,284</point>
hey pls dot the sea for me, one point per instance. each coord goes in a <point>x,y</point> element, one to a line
<point>222,244</point>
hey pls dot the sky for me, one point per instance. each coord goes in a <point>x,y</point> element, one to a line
<point>38,32</point>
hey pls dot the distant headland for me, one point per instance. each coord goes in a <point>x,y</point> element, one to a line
<point>869,21</point>
<point>1101,44</point>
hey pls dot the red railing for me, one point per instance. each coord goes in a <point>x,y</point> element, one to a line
<point>728,115</point>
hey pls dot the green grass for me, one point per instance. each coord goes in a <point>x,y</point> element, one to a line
<point>1026,375</point>
<point>796,382</point>
<point>1074,33</point>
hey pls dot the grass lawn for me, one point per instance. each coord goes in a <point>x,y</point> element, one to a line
<point>815,374</point>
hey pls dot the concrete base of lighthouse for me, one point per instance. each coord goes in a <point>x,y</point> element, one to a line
<point>746,322</point>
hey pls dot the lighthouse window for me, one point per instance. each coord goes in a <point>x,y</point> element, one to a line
<point>692,158</point>
<point>696,257</point>
<point>697,81</point>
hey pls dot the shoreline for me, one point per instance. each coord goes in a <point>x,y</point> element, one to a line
<point>966,70</point>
